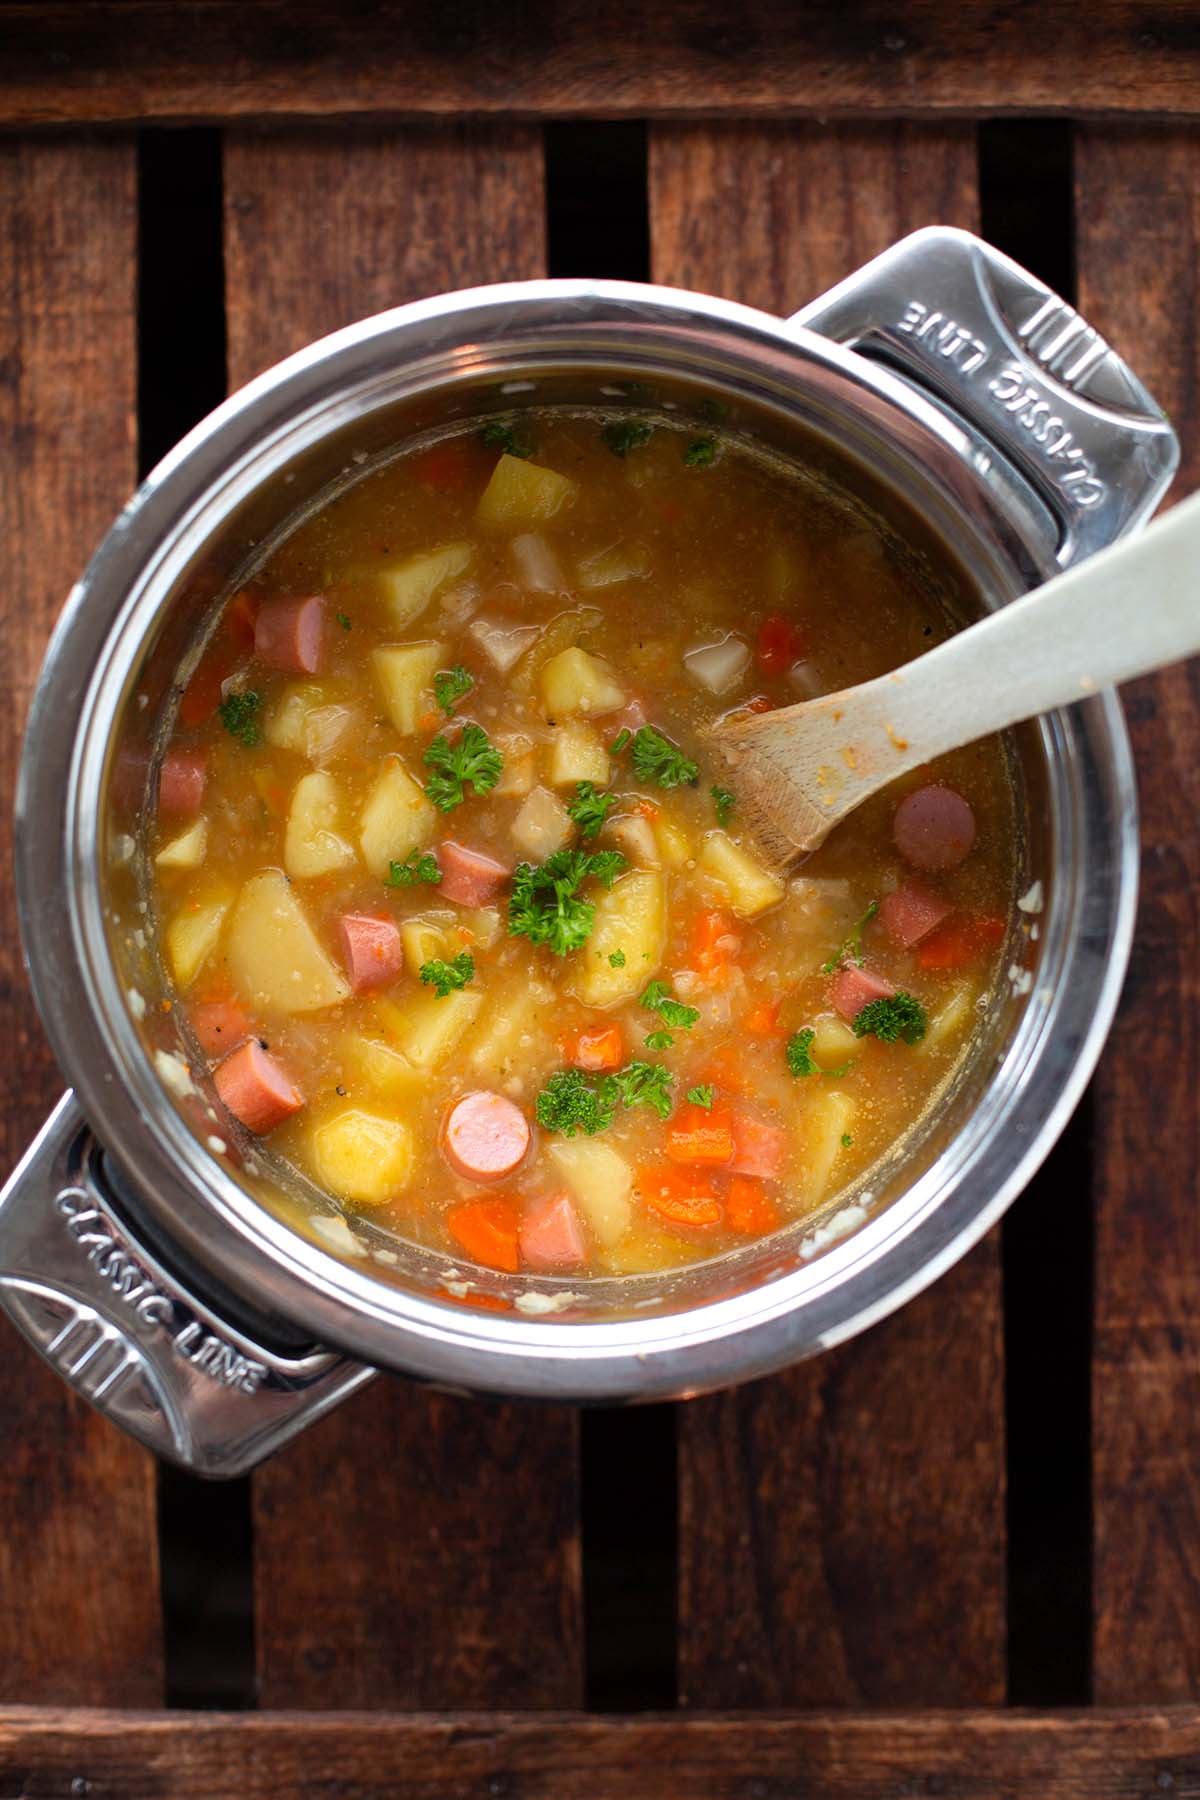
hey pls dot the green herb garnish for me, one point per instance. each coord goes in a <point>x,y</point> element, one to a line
<point>569,1102</point>
<point>446,976</point>
<point>847,1140</point>
<point>619,742</point>
<point>716,410</point>
<point>656,758</point>
<point>702,1096</point>
<point>238,714</point>
<point>850,949</point>
<point>343,620</point>
<point>644,1084</point>
<point>659,1040</point>
<point>623,435</point>
<point>472,757</point>
<point>657,998</point>
<point>899,1016</point>
<point>724,802</point>
<point>496,435</point>
<point>798,1051</point>
<point>589,809</point>
<point>414,868</point>
<point>617,960</point>
<point>545,906</point>
<point>701,453</point>
<point>449,686</point>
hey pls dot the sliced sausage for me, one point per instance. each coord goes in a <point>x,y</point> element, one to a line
<point>219,1025</point>
<point>550,1236</point>
<point>852,989</point>
<point>758,1149</point>
<point>256,1088</point>
<point>934,827</point>
<point>290,634</point>
<point>485,1136</point>
<point>469,876</point>
<point>181,782</point>
<point>910,914</point>
<point>371,950</point>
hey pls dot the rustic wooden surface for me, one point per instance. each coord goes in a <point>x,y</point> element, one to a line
<point>116,60</point>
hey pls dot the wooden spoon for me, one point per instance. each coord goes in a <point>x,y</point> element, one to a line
<point>1134,607</point>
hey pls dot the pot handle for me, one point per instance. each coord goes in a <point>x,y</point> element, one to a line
<point>1019,371</point>
<point>125,1332</point>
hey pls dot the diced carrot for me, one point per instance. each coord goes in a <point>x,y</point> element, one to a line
<point>763,1020</point>
<point>233,638</point>
<point>779,644</point>
<point>445,466</point>
<point>429,721</point>
<point>241,618</point>
<point>699,1135</point>
<point>646,809</point>
<point>220,1025</point>
<point>483,1302</point>
<point>713,940</point>
<point>759,704</point>
<point>594,1047</point>
<point>749,1208</point>
<point>964,938</point>
<point>487,1230</point>
<point>724,1069</point>
<point>683,1196</point>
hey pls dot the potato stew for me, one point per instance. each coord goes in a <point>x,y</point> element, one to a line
<point>465,920</point>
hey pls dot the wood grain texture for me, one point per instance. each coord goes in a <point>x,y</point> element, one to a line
<point>842,1525</point>
<point>115,60</point>
<point>474,1756</point>
<point>79,1613</point>
<point>1138,256</point>
<point>412,1549</point>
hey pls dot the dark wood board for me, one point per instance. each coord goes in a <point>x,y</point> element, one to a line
<point>79,1604</point>
<point>842,1525</point>
<point>987,1755</point>
<point>1136,248</point>
<point>412,1550</point>
<point>120,60</point>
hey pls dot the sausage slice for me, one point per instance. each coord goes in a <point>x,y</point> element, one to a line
<point>852,989</point>
<point>934,827</point>
<point>550,1236</point>
<point>485,1136</point>
<point>468,876</point>
<point>181,782</point>
<point>256,1089</point>
<point>290,634</point>
<point>910,914</point>
<point>371,950</point>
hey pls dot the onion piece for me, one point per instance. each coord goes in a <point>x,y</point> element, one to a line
<point>327,729</point>
<point>804,677</point>
<point>503,641</point>
<point>537,566</point>
<point>718,667</point>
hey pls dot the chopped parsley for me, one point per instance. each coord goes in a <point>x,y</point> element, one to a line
<point>238,714</point>
<point>702,1096</point>
<point>656,758</point>
<point>847,1140</point>
<point>472,757</point>
<point>800,1060</point>
<point>449,686</point>
<point>716,410</point>
<point>900,1016</point>
<point>570,1102</point>
<point>446,976</point>
<point>850,949</point>
<point>724,802</point>
<point>659,1040</point>
<point>619,742</point>
<point>589,809</point>
<point>701,453</point>
<point>343,620</point>
<point>623,435</point>
<point>617,960</point>
<point>496,435</point>
<point>657,998</point>
<point>414,868</point>
<point>545,906</point>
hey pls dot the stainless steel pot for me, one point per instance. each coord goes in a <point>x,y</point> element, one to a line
<point>191,1291</point>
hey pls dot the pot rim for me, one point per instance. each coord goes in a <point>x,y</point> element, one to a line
<point>851,1284</point>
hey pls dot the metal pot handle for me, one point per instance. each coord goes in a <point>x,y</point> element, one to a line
<point>1024,376</point>
<point>129,1335</point>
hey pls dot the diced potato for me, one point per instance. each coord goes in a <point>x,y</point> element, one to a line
<point>421,942</point>
<point>426,1028</point>
<point>620,562</point>
<point>563,631</point>
<point>377,1067</point>
<point>516,777</point>
<point>600,1179</point>
<point>275,957</point>
<point>542,825</point>
<point>951,1016</point>
<point>192,935</point>
<point>405,675</point>
<point>313,844</point>
<point>407,587</point>
<point>516,1038</point>
<point>521,493</point>
<point>578,755</point>
<point>395,819</point>
<point>747,886</point>
<point>674,844</point>
<point>834,1043</point>
<point>286,725</point>
<point>484,924</point>
<point>634,837</point>
<point>576,682</point>
<point>826,1119</point>
<point>361,1157</point>
<point>631,918</point>
<point>188,850</point>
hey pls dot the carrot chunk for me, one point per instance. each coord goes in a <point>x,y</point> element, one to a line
<point>681,1196</point>
<point>595,1047</point>
<point>749,1208</point>
<point>219,1025</point>
<point>964,938</point>
<point>779,644</point>
<point>714,940</point>
<point>697,1135</point>
<point>488,1231</point>
<point>763,1020</point>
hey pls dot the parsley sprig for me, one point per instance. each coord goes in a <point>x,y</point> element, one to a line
<point>449,686</point>
<point>545,905</point>
<point>499,435</point>
<point>471,758</point>
<point>589,809</point>
<point>658,998</point>
<point>656,758</point>
<point>850,949</point>
<point>447,976</point>
<point>238,713</point>
<point>415,867</point>
<point>899,1016</point>
<point>702,1096</point>
<point>800,1059</point>
<point>723,803</point>
<point>570,1102</point>
<point>623,435</point>
<point>701,453</point>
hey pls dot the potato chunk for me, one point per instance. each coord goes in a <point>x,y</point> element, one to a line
<point>275,957</point>
<point>826,1119</point>
<point>516,1038</point>
<point>578,755</point>
<point>600,1179</point>
<point>313,844</point>
<point>396,818</point>
<point>520,493</point>
<point>576,682</point>
<point>361,1157</point>
<point>631,918</point>
<point>285,724</point>
<point>542,825</point>
<point>405,674</point>
<point>188,850</point>
<point>192,935</point>
<point>747,886</point>
<point>407,587</point>
<point>422,940</point>
<point>370,1063</point>
<point>426,1028</point>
